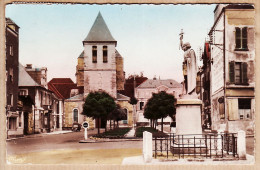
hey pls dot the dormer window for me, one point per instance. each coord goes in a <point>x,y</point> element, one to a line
<point>104,54</point>
<point>94,54</point>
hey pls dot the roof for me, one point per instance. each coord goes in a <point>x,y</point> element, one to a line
<point>24,78</point>
<point>122,97</point>
<point>118,54</point>
<point>99,31</point>
<point>129,85</point>
<point>77,97</point>
<point>10,22</point>
<point>61,80</point>
<point>62,87</point>
<point>150,83</point>
<point>81,55</point>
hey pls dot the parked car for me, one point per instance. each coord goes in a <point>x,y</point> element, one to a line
<point>76,127</point>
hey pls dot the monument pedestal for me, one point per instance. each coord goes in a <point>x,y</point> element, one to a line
<point>188,115</point>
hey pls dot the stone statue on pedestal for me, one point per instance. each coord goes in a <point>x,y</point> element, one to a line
<point>189,66</point>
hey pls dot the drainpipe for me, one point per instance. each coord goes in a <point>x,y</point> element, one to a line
<point>224,58</point>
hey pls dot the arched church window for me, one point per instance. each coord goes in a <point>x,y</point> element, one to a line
<point>94,54</point>
<point>75,115</point>
<point>125,118</point>
<point>104,54</point>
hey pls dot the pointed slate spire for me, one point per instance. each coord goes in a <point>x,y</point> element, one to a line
<point>99,32</point>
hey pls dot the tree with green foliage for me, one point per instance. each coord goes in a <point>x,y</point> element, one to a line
<point>133,101</point>
<point>159,106</point>
<point>98,105</point>
<point>116,115</point>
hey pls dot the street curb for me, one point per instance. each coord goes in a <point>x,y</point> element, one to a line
<point>108,140</point>
<point>38,135</point>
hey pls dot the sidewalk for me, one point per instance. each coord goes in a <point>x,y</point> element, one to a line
<point>40,134</point>
<point>131,133</point>
<point>138,160</point>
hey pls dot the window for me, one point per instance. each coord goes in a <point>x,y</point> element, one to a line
<point>94,54</point>
<point>244,108</point>
<point>75,115</point>
<point>241,38</point>
<point>104,54</point>
<point>12,123</point>
<point>41,97</point>
<point>11,99</point>
<point>20,119</point>
<point>239,109</point>
<point>198,84</point>
<point>44,98</point>
<point>141,105</point>
<point>11,74</point>
<point>125,118</point>
<point>23,92</point>
<point>11,50</point>
<point>238,72</point>
<point>221,110</point>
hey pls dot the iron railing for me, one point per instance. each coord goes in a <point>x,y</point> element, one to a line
<point>194,145</point>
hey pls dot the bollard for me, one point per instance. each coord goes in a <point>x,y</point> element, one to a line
<point>147,146</point>
<point>241,144</point>
<point>86,134</point>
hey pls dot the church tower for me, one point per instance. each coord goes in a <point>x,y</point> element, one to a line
<point>100,59</point>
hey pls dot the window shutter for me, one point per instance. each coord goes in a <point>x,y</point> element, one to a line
<point>244,73</point>
<point>238,37</point>
<point>221,110</point>
<point>232,109</point>
<point>244,38</point>
<point>232,72</point>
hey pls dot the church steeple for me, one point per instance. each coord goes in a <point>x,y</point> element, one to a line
<point>99,32</point>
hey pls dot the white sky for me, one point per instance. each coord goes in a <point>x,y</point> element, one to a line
<point>147,35</point>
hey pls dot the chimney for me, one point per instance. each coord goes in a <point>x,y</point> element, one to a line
<point>28,66</point>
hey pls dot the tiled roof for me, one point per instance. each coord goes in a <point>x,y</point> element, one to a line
<point>122,97</point>
<point>150,83</point>
<point>129,85</point>
<point>62,87</point>
<point>99,31</point>
<point>61,80</point>
<point>24,78</point>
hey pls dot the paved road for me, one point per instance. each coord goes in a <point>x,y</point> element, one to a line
<point>62,141</point>
<point>71,141</point>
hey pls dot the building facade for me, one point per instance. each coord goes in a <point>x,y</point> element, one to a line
<point>232,68</point>
<point>205,84</point>
<point>100,59</point>
<point>145,91</point>
<point>13,105</point>
<point>100,67</point>
<point>40,104</point>
<point>65,88</point>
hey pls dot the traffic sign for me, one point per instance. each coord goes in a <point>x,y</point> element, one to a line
<point>85,125</point>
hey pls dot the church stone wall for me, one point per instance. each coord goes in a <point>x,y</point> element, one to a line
<point>100,80</point>
<point>120,76</point>
<point>80,72</point>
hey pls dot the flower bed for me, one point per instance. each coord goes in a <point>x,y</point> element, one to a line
<point>139,132</point>
<point>114,133</point>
